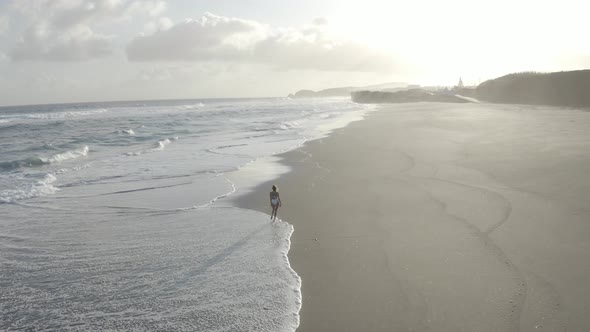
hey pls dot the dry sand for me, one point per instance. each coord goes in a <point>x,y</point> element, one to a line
<point>442,217</point>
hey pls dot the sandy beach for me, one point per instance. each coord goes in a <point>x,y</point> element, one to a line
<point>442,217</point>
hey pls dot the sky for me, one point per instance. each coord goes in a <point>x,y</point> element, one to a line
<point>58,51</point>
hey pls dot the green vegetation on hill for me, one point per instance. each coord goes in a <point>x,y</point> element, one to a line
<point>571,88</point>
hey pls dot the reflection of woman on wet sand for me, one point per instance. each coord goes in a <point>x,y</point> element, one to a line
<point>275,202</point>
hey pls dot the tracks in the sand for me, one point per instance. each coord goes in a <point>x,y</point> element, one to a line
<point>307,157</point>
<point>518,299</point>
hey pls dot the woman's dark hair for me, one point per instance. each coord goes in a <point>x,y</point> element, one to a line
<point>274,188</point>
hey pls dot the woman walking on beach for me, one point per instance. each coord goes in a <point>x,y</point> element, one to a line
<point>275,202</point>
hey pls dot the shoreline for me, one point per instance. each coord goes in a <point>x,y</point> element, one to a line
<point>420,217</point>
<point>302,165</point>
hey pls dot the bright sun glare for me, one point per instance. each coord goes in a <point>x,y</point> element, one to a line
<point>479,40</point>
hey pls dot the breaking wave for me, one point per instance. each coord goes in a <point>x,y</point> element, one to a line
<point>159,146</point>
<point>126,131</point>
<point>286,125</point>
<point>192,107</point>
<point>67,155</point>
<point>39,161</point>
<point>63,114</point>
<point>35,189</point>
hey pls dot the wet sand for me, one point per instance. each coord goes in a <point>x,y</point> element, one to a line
<point>442,217</point>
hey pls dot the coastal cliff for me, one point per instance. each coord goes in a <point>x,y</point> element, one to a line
<point>570,89</point>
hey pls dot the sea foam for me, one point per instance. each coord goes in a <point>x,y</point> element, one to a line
<point>180,272</point>
<point>64,114</point>
<point>38,188</point>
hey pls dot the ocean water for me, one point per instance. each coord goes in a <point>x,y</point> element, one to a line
<point>112,215</point>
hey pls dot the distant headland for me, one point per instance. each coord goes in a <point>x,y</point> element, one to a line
<point>566,88</point>
<point>406,96</point>
<point>346,91</point>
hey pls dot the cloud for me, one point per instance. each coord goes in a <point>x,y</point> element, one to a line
<point>65,30</point>
<point>210,37</point>
<point>72,13</point>
<point>4,22</point>
<point>162,23</point>
<point>152,8</point>
<point>76,44</point>
<point>311,49</point>
<point>219,38</point>
<point>155,74</point>
<point>320,21</point>
<point>67,13</point>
